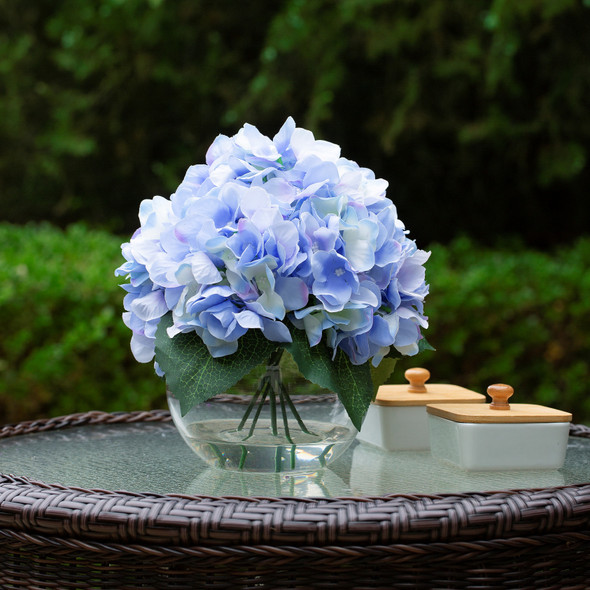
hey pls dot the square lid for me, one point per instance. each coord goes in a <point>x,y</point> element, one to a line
<point>417,393</point>
<point>499,411</point>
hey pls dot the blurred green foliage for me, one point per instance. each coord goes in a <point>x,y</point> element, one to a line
<point>109,101</point>
<point>64,348</point>
<point>475,109</point>
<point>512,315</point>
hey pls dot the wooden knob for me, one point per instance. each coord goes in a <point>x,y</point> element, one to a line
<point>500,394</point>
<point>417,378</point>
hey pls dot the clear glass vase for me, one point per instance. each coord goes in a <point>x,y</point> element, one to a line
<point>269,430</point>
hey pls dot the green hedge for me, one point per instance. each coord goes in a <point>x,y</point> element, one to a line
<point>63,347</point>
<point>509,315</point>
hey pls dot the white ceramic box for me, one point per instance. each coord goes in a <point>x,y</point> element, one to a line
<point>397,420</point>
<point>499,436</point>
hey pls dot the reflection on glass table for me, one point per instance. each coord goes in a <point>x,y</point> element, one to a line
<point>151,457</point>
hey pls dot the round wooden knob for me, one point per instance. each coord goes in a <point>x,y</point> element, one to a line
<point>417,378</point>
<point>500,394</point>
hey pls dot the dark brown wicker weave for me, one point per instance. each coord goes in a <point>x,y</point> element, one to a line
<point>60,537</point>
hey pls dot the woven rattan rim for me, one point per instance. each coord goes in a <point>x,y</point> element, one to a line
<point>38,511</point>
<point>428,554</point>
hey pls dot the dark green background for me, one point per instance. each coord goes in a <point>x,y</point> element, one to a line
<point>475,111</point>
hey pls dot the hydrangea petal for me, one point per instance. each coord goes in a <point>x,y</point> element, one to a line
<point>359,244</point>
<point>276,331</point>
<point>221,146</point>
<point>293,291</point>
<point>150,306</point>
<point>204,271</point>
<point>251,140</point>
<point>325,172</point>
<point>143,348</point>
<point>248,319</point>
<point>283,137</point>
<point>304,144</point>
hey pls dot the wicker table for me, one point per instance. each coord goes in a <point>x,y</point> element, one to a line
<point>174,529</point>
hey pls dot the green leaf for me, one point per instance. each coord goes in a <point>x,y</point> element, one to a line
<point>423,344</point>
<point>352,383</point>
<point>381,373</point>
<point>193,375</point>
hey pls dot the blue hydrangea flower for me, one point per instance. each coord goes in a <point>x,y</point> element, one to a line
<point>271,234</point>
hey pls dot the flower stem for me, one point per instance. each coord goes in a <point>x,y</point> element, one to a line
<point>273,411</point>
<point>250,408</point>
<point>257,414</point>
<point>295,412</point>
<point>322,457</point>
<point>282,395</point>
<point>271,386</point>
<point>218,454</point>
<point>243,456</point>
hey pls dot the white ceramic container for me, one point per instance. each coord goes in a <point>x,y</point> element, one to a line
<point>397,420</point>
<point>499,436</point>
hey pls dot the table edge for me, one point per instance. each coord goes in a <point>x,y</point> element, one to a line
<point>185,520</point>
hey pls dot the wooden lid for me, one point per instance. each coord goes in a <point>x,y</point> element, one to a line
<point>417,393</point>
<point>499,411</point>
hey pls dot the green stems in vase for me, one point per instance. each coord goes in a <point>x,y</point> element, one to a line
<point>271,387</point>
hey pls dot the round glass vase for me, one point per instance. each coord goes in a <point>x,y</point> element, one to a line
<point>283,433</point>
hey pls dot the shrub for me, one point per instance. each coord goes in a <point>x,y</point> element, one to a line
<point>506,315</point>
<point>64,348</point>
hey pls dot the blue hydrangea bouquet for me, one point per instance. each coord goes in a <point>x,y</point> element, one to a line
<point>273,245</point>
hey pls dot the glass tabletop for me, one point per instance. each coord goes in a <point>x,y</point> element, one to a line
<point>152,458</point>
